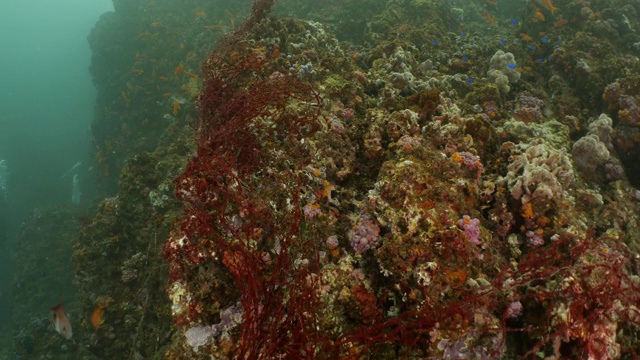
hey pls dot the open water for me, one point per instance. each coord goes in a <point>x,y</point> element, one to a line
<point>46,108</point>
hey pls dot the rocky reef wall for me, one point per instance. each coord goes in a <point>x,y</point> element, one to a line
<point>434,179</point>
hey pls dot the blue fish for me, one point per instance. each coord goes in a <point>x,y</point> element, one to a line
<point>544,40</point>
<point>542,60</point>
<point>464,34</point>
<point>515,22</point>
<point>434,42</point>
<point>471,80</point>
<point>511,66</point>
<point>503,42</point>
<point>532,47</point>
<point>465,58</point>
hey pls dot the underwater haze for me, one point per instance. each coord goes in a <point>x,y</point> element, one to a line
<point>47,96</point>
<point>46,106</point>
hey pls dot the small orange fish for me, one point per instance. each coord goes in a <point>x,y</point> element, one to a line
<point>560,22</point>
<point>489,18</point>
<point>200,13</point>
<point>96,316</point>
<point>547,4</point>
<point>178,69</point>
<point>538,16</point>
<point>137,71</point>
<point>176,107</point>
<point>60,322</point>
<point>526,37</point>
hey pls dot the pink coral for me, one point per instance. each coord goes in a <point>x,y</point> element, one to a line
<point>364,236</point>
<point>471,228</point>
<point>529,108</point>
<point>514,310</point>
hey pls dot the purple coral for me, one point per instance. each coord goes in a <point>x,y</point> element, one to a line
<point>514,310</point>
<point>200,334</point>
<point>491,109</point>
<point>529,109</point>
<point>469,160</point>
<point>535,239</point>
<point>311,210</point>
<point>332,242</point>
<point>364,236</point>
<point>472,162</point>
<point>335,124</point>
<point>629,110</point>
<point>471,228</point>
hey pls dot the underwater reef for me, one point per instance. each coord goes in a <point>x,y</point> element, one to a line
<point>426,193</point>
<point>363,180</point>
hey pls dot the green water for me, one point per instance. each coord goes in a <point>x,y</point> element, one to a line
<point>46,108</point>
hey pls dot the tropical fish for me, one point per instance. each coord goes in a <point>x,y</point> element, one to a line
<point>60,322</point>
<point>96,316</point>
<point>547,4</point>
